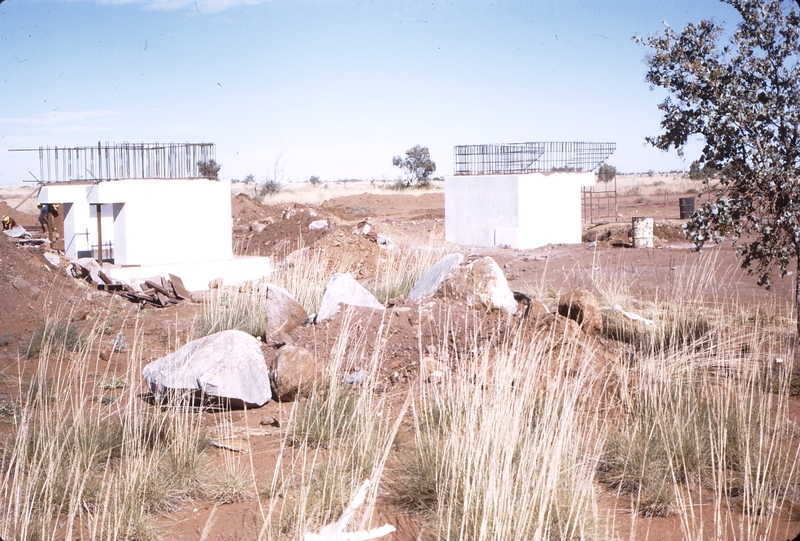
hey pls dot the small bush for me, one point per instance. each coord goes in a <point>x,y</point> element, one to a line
<point>54,336</point>
<point>398,186</point>
<point>270,187</point>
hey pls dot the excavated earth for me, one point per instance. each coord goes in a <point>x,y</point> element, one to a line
<point>411,338</point>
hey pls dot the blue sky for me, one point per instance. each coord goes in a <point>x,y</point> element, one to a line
<point>331,88</point>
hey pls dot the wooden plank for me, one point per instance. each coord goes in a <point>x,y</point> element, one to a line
<point>167,283</point>
<point>110,287</point>
<point>162,299</point>
<point>180,289</point>
<point>156,286</point>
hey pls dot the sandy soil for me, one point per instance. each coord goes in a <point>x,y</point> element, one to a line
<point>411,221</point>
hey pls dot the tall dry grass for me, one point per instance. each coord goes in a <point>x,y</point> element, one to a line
<point>525,439</point>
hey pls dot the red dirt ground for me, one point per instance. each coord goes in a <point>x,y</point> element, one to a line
<point>670,268</point>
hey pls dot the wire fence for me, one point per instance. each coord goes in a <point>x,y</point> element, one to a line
<point>521,158</point>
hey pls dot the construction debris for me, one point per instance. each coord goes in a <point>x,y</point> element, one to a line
<point>155,291</point>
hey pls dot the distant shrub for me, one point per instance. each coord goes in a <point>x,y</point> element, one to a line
<point>54,335</point>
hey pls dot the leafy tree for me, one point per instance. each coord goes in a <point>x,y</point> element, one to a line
<point>606,173</point>
<point>417,164</point>
<point>314,180</point>
<point>696,172</point>
<point>740,94</point>
<point>249,179</point>
<point>209,169</point>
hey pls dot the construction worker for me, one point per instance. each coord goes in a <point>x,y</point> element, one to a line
<point>47,215</point>
<point>9,223</point>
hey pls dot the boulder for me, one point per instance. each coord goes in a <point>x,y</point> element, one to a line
<point>52,258</point>
<point>26,288</point>
<point>482,285</point>
<point>363,228</point>
<point>343,289</point>
<point>293,373</point>
<point>581,306</point>
<point>384,241</point>
<point>432,280</point>
<point>318,224</point>
<point>257,227</point>
<point>86,266</point>
<point>283,312</point>
<point>226,367</point>
<point>537,309</point>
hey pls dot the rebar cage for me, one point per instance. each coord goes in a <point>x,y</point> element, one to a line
<point>521,158</point>
<point>122,161</point>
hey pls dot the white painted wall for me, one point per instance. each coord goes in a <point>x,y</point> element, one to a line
<point>149,221</point>
<point>160,221</point>
<point>474,206</point>
<point>522,211</point>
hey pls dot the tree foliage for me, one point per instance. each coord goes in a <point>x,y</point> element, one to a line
<point>740,94</point>
<point>209,169</point>
<point>314,180</point>
<point>417,165</point>
<point>606,173</point>
<point>702,172</point>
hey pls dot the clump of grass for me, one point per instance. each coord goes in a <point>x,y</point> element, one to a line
<point>114,383</point>
<point>75,466</point>
<point>305,274</point>
<point>499,456</point>
<point>231,485</point>
<point>9,409</point>
<point>400,269</point>
<point>226,309</point>
<point>672,331</point>
<point>54,335</point>
<point>340,437</point>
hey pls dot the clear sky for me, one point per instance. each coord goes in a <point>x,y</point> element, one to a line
<point>332,88</point>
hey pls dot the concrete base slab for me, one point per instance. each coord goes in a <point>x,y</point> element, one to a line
<point>196,276</point>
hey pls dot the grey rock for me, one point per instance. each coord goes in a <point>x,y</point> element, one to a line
<point>482,285</point>
<point>52,258</point>
<point>318,224</point>
<point>431,281</point>
<point>86,266</point>
<point>257,227</point>
<point>293,373</point>
<point>385,241</point>
<point>343,289</point>
<point>26,288</point>
<point>283,312</point>
<point>582,306</point>
<point>356,378</point>
<point>226,367</point>
<point>363,228</point>
<point>18,232</point>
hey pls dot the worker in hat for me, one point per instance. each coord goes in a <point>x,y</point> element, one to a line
<point>9,223</point>
<point>47,215</point>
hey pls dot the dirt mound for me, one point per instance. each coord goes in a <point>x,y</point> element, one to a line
<point>285,227</point>
<point>670,230</point>
<point>31,288</point>
<point>358,207</point>
<point>408,340</point>
<point>25,220</point>
<point>615,234</point>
